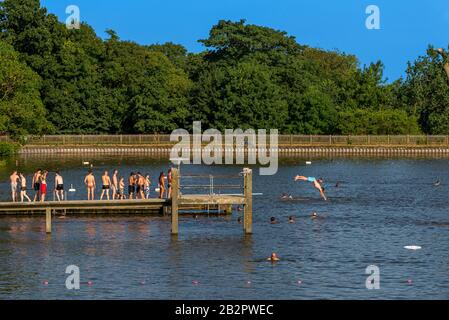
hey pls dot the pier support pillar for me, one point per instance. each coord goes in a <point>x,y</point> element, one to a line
<point>248,207</point>
<point>48,220</point>
<point>228,209</point>
<point>174,201</point>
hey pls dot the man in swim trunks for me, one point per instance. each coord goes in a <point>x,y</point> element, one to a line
<point>59,183</point>
<point>161,185</point>
<point>131,185</point>
<point>106,185</point>
<point>114,184</point>
<point>141,185</point>
<point>169,180</point>
<point>23,187</point>
<point>14,179</point>
<point>316,183</point>
<point>37,184</point>
<point>89,181</point>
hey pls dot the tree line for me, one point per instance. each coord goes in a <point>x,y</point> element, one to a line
<point>59,80</point>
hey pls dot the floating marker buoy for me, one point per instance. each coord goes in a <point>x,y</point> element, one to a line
<point>299,282</point>
<point>412,247</point>
<point>308,162</point>
<point>86,163</point>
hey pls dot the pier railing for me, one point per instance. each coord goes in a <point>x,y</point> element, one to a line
<point>289,140</point>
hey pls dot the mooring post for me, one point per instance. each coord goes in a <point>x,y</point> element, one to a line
<point>174,200</point>
<point>248,195</point>
<point>48,220</point>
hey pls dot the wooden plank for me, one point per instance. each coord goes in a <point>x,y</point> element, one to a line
<point>174,201</point>
<point>48,220</point>
<point>248,207</point>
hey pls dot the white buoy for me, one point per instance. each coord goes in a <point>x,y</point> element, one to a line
<point>71,188</point>
<point>86,163</point>
<point>308,162</point>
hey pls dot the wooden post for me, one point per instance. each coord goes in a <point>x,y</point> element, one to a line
<point>48,220</point>
<point>248,208</point>
<point>174,200</point>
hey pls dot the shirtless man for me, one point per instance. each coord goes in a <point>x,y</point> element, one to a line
<point>59,186</point>
<point>141,185</point>
<point>316,183</point>
<point>161,185</point>
<point>14,179</point>
<point>23,188</point>
<point>106,185</point>
<point>169,181</point>
<point>37,184</point>
<point>89,181</point>
<point>131,185</point>
<point>114,184</point>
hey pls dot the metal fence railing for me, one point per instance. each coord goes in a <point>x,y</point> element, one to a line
<point>283,140</point>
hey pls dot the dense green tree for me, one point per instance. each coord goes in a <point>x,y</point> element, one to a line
<point>21,108</point>
<point>426,93</point>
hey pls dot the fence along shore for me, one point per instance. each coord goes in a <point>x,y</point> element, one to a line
<point>288,145</point>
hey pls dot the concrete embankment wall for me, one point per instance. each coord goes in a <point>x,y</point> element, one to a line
<point>162,151</point>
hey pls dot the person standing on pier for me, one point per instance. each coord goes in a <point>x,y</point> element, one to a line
<point>161,185</point>
<point>89,181</point>
<point>106,185</point>
<point>131,185</point>
<point>141,185</point>
<point>147,186</point>
<point>169,180</point>
<point>114,185</point>
<point>14,179</point>
<point>59,186</point>
<point>37,184</point>
<point>43,184</point>
<point>23,188</point>
<point>121,188</point>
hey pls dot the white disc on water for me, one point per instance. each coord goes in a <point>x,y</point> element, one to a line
<point>412,247</point>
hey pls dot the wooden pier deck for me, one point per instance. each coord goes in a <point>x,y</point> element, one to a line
<point>178,202</point>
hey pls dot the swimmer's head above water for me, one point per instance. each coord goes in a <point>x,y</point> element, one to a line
<point>314,215</point>
<point>273,220</point>
<point>273,257</point>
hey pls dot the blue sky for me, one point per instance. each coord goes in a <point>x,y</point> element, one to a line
<point>407,27</point>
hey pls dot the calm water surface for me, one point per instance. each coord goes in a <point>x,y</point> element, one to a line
<point>380,206</point>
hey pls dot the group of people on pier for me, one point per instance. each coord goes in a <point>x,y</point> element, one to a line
<point>112,187</point>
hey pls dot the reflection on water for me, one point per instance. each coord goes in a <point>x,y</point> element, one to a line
<point>379,207</point>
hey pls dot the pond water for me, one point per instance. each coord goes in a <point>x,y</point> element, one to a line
<point>380,206</point>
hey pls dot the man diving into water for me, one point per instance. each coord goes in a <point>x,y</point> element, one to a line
<point>316,183</point>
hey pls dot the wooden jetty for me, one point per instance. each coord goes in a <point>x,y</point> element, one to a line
<point>173,206</point>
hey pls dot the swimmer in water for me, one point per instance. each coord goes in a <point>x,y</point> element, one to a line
<point>239,220</point>
<point>273,257</point>
<point>316,183</point>
<point>314,215</point>
<point>273,220</point>
<point>437,183</point>
<point>286,196</point>
<point>291,219</point>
